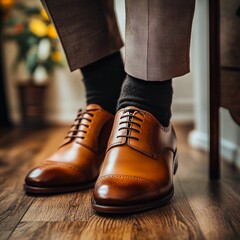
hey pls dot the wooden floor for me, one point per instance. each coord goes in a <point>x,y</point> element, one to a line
<point>201,209</point>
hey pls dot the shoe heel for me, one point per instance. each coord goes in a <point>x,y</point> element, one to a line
<point>175,163</point>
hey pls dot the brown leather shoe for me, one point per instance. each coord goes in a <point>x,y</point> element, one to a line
<point>76,163</point>
<point>137,172</point>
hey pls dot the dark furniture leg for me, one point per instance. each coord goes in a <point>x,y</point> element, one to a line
<point>214,28</point>
<point>4,115</point>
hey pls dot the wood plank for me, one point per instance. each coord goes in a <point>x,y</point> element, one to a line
<point>12,208</point>
<point>4,235</point>
<point>214,208</point>
<point>214,203</point>
<point>61,230</point>
<point>68,207</point>
<point>108,227</point>
<point>173,221</point>
<point>170,221</point>
<point>18,161</point>
<point>13,137</point>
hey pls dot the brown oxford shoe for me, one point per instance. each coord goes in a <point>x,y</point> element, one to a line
<point>76,163</point>
<point>137,172</point>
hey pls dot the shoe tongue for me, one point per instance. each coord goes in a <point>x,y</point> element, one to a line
<point>137,111</point>
<point>93,107</point>
<point>131,109</point>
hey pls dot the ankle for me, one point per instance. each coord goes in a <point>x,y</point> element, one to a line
<point>152,96</point>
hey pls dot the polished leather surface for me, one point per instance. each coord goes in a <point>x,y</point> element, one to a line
<point>139,162</point>
<point>78,159</point>
<point>158,34</point>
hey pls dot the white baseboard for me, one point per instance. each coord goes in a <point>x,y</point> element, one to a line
<point>229,150</point>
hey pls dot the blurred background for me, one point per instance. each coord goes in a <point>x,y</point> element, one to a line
<point>37,87</point>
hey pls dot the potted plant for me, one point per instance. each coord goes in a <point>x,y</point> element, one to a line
<point>38,51</point>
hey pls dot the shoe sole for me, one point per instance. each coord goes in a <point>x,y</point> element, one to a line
<point>137,207</point>
<point>133,208</point>
<point>57,190</point>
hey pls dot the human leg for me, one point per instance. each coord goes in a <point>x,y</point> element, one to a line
<point>141,157</point>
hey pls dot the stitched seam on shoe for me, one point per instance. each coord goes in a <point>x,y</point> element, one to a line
<point>139,179</point>
<point>165,129</point>
<point>163,151</point>
<point>115,144</point>
<point>148,153</point>
<point>141,150</point>
<point>67,165</point>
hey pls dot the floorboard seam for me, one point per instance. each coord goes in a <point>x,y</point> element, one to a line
<point>183,192</point>
<point>21,218</point>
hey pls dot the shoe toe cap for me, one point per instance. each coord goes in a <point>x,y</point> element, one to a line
<point>35,177</point>
<point>52,175</point>
<point>123,190</point>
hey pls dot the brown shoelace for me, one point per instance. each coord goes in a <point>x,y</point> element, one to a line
<point>130,123</point>
<point>75,128</point>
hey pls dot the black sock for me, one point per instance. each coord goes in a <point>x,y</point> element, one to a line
<point>103,80</point>
<point>152,96</point>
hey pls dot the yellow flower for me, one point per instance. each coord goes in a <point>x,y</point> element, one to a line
<point>56,56</point>
<point>6,3</point>
<point>51,31</point>
<point>38,27</point>
<point>44,14</point>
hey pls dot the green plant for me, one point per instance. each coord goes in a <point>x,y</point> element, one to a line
<point>38,47</point>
